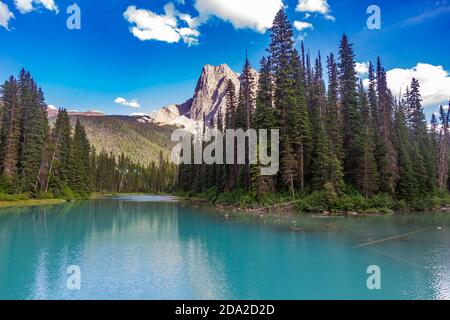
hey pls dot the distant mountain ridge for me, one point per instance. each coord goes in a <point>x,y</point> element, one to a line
<point>143,136</point>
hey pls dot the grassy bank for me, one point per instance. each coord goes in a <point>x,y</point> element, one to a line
<point>29,202</point>
<point>25,200</point>
<point>321,202</point>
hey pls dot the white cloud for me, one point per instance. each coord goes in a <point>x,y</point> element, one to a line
<point>124,102</point>
<point>362,68</point>
<point>5,15</point>
<point>302,25</point>
<point>315,6</point>
<point>434,82</point>
<point>151,26</point>
<point>174,26</point>
<point>26,6</point>
<point>254,14</point>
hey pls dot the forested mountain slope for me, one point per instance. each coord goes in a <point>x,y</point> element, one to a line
<point>141,142</point>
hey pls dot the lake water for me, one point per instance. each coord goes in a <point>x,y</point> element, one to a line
<point>143,247</point>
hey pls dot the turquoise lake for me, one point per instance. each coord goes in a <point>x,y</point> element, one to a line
<point>144,247</point>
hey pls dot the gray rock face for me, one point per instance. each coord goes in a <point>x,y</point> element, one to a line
<point>209,96</point>
<point>171,112</point>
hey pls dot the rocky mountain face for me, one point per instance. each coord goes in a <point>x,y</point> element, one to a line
<point>208,99</point>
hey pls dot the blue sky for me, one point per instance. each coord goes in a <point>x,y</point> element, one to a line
<point>159,61</point>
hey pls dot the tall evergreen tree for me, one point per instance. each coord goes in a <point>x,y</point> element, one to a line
<point>386,152</point>
<point>34,132</point>
<point>350,112</point>
<point>299,123</point>
<point>367,177</point>
<point>79,162</point>
<point>244,116</point>
<point>441,145</point>
<point>334,114</point>
<point>231,105</point>
<point>10,130</point>
<point>264,119</point>
<point>422,152</point>
<point>407,184</point>
<point>60,150</point>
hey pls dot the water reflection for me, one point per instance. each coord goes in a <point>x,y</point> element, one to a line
<point>144,248</point>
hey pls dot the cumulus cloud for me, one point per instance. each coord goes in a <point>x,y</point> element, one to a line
<point>315,6</point>
<point>253,14</point>
<point>434,82</point>
<point>26,6</point>
<point>174,26</point>
<point>302,25</point>
<point>148,25</point>
<point>5,15</point>
<point>362,68</point>
<point>124,102</point>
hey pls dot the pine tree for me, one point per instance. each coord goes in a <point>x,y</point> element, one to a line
<point>34,132</point>
<point>10,130</point>
<point>231,104</point>
<point>281,56</point>
<point>326,169</point>
<point>367,177</point>
<point>78,179</point>
<point>264,119</point>
<point>386,153</point>
<point>422,152</point>
<point>281,52</point>
<point>244,115</point>
<point>334,114</point>
<point>60,150</point>
<point>299,122</point>
<point>441,144</point>
<point>407,184</point>
<point>350,112</point>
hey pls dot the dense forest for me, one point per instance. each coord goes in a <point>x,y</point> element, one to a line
<point>343,146</point>
<point>40,161</point>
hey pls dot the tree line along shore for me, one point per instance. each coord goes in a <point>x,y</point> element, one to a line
<point>344,146</point>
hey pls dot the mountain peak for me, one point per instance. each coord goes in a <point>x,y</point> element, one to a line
<point>208,98</point>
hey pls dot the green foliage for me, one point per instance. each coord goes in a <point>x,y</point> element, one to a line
<point>45,195</point>
<point>68,194</point>
<point>6,185</point>
<point>14,197</point>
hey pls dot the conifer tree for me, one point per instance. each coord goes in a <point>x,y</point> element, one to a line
<point>264,119</point>
<point>334,114</point>
<point>422,152</point>
<point>10,130</point>
<point>78,179</point>
<point>60,150</point>
<point>244,117</point>
<point>441,144</point>
<point>231,104</point>
<point>367,177</point>
<point>350,112</point>
<point>299,123</point>
<point>407,184</point>
<point>386,153</point>
<point>34,132</point>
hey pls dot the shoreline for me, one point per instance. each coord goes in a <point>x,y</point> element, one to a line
<point>30,203</point>
<point>288,209</point>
